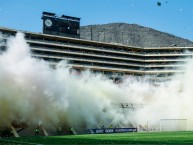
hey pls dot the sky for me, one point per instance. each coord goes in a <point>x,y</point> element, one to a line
<point>172,16</point>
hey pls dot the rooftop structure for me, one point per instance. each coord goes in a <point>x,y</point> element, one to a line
<point>113,60</point>
<point>62,26</point>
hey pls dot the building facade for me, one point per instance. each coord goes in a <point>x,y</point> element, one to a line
<point>113,60</point>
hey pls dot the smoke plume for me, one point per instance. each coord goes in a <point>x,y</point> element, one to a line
<point>32,92</point>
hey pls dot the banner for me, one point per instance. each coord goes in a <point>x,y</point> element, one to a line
<point>111,130</point>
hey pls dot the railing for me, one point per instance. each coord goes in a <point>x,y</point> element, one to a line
<point>89,54</point>
<point>87,47</point>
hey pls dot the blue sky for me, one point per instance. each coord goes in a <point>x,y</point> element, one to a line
<point>173,16</point>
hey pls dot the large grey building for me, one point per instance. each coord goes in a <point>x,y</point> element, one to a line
<point>113,60</point>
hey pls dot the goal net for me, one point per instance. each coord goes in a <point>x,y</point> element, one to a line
<point>173,125</point>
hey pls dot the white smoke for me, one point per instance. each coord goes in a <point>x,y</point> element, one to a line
<point>1,39</point>
<point>32,92</point>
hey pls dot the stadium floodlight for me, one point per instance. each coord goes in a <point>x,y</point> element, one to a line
<point>173,125</point>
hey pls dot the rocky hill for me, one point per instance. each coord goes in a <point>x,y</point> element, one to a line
<point>132,35</point>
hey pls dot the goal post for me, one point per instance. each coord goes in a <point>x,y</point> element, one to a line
<point>173,125</point>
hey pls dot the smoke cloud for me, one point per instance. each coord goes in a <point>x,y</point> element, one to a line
<point>32,92</point>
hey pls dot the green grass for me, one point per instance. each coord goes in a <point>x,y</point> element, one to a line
<point>161,138</point>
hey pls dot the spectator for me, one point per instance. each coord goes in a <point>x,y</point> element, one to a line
<point>111,126</point>
<point>37,131</point>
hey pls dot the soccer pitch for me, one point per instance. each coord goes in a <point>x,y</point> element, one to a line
<point>162,138</point>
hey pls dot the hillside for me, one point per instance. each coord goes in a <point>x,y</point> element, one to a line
<point>132,35</point>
